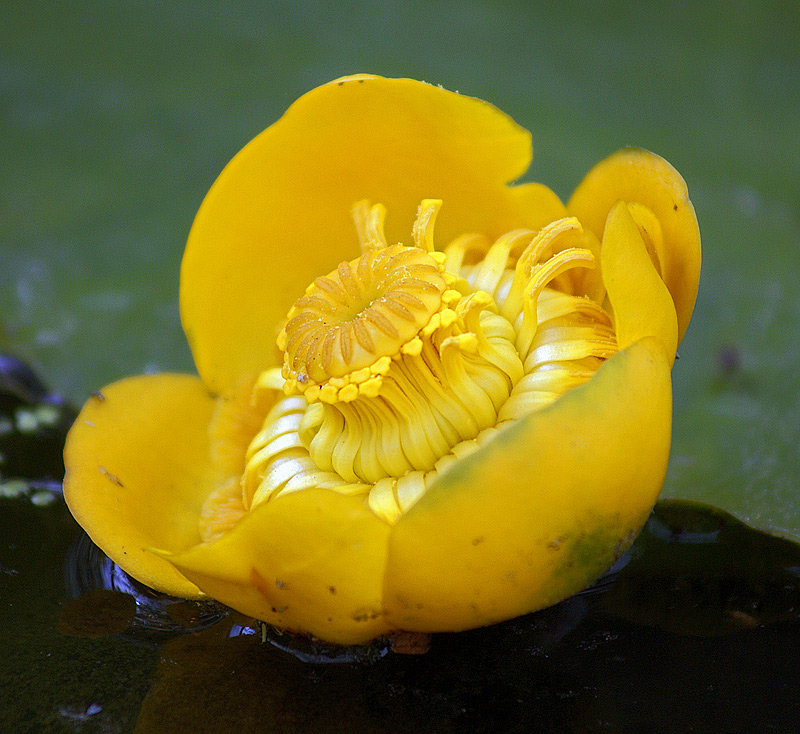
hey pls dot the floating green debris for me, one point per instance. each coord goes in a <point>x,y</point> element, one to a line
<point>14,488</point>
<point>33,419</point>
<point>43,497</point>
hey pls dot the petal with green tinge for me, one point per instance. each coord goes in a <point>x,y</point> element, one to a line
<point>543,510</point>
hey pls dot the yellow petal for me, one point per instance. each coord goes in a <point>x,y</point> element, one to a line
<point>279,214</point>
<point>635,175</point>
<point>138,472</point>
<point>541,511</point>
<point>641,303</point>
<point>311,561</point>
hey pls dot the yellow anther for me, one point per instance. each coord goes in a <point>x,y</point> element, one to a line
<point>448,317</point>
<point>371,388</point>
<point>360,375</point>
<point>328,394</point>
<point>381,366</point>
<point>412,348</point>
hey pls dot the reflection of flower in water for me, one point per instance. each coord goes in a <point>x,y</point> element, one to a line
<point>154,618</point>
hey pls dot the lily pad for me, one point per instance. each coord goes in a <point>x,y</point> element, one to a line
<point>116,122</point>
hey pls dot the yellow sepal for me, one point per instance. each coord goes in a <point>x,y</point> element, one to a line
<point>638,176</point>
<point>642,305</point>
<point>311,562</point>
<point>138,471</point>
<point>540,512</point>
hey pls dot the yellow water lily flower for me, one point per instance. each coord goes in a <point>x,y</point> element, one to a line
<point>428,400</point>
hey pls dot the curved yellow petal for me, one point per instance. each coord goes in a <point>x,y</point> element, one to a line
<point>638,176</point>
<point>541,511</point>
<point>641,303</point>
<point>279,214</point>
<point>138,470</point>
<point>312,562</point>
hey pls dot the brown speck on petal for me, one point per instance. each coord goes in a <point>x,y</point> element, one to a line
<point>113,478</point>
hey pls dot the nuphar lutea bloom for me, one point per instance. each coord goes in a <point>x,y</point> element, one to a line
<point>428,400</point>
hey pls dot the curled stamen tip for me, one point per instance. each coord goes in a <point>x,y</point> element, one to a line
<point>469,343</point>
<point>464,342</point>
<point>476,301</point>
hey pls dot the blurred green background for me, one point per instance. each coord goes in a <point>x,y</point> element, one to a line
<point>117,117</point>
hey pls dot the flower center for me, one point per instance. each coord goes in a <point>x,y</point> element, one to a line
<point>403,361</point>
<point>364,310</point>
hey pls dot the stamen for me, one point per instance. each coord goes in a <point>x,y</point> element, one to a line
<point>541,276</point>
<point>403,362</point>
<point>487,274</point>
<point>369,225</point>
<point>556,235</point>
<point>459,250</point>
<point>423,226</point>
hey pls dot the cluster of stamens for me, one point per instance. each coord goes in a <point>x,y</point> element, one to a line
<point>405,360</point>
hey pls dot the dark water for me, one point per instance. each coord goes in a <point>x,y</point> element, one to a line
<point>695,630</point>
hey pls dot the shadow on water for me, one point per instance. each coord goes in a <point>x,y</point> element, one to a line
<point>694,630</point>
